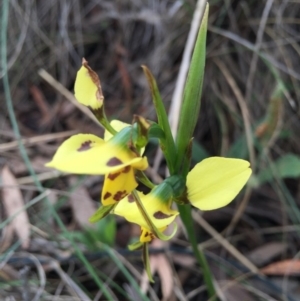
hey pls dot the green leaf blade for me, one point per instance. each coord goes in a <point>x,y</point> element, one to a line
<point>169,149</point>
<point>192,94</point>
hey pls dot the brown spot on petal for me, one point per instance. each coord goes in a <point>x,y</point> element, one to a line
<point>107,195</point>
<point>150,234</point>
<point>114,162</point>
<point>113,176</point>
<point>161,215</point>
<point>131,198</point>
<point>126,169</point>
<point>120,195</point>
<point>85,146</point>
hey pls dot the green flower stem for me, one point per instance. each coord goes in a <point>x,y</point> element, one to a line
<point>105,123</point>
<point>101,213</point>
<point>146,260</point>
<point>188,119</point>
<point>186,217</point>
<point>144,179</point>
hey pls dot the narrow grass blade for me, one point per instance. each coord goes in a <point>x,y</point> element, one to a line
<point>192,93</point>
<point>113,255</point>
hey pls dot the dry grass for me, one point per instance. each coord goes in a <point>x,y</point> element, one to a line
<point>253,48</point>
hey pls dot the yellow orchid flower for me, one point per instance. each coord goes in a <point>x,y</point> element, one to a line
<point>214,182</point>
<point>88,88</point>
<point>89,154</point>
<point>157,208</point>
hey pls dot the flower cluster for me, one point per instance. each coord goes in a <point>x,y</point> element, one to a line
<point>119,156</point>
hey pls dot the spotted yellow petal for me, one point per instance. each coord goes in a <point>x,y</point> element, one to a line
<point>214,182</point>
<point>88,88</point>
<point>159,212</point>
<point>89,154</point>
<point>118,185</point>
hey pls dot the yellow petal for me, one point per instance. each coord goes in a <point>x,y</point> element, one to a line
<point>160,213</point>
<point>146,235</point>
<point>89,154</point>
<point>118,185</point>
<point>87,87</point>
<point>117,125</point>
<point>214,182</point>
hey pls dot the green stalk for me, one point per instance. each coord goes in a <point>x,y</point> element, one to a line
<point>186,217</point>
<point>188,118</point>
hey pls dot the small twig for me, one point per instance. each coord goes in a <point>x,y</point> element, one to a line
<point>243,107</point>
<point>32,140</point>
<point>229,247</point>
<point>42,177</point>
<point>23,274</point>
<point>26,294</point>
<point>73,288</point>
<point>234,37</point>
<point>240,210</point>
<point>257,46</point>
<point>245,114</point>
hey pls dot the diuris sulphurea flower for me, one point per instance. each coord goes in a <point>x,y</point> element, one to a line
<point>89,154</point>
<point>211,184</point>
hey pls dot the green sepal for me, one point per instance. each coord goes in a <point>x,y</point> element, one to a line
<point>177,183</point>
<point>182,199</point>
<point>192,95</point>
<point>168,145</point>
<point>135,246</point>
<point>101,213</point>
<point>141,136</point>
<point>151,226</point>
<point>146,261</point>
<point>124,137</point>
<point>170,188</point>
<point>101,117</point>
<point>140,175</point>
<point>156,131</point>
